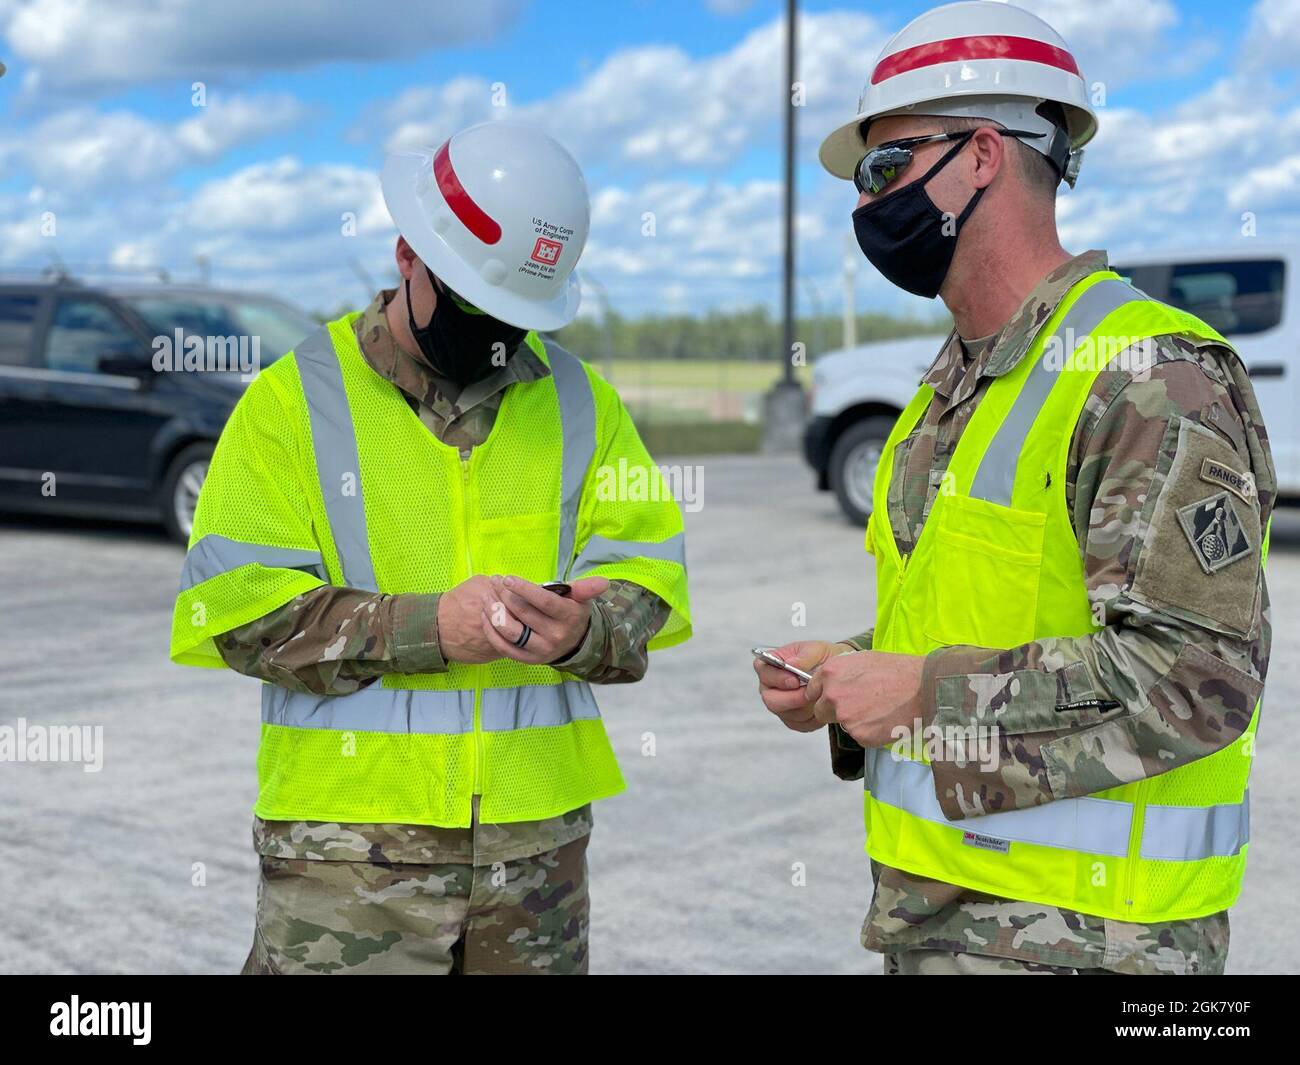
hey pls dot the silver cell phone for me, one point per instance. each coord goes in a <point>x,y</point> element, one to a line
<point>768,655</point>
<point>558,587</point>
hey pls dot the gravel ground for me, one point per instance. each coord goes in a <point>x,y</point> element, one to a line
<point>733,849</point>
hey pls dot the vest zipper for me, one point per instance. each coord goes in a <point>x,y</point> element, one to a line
<point>478,668</point>
<point>1135,842</point>
<point>903,560</point>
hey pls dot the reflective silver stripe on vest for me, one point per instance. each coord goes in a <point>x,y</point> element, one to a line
<point>334,440</point>
<point>404,710</point>
<point>213,555</point>
<point>600,551</point>
<point>1185,833</point>
<point>997,471</point>
<point>1095,826</point>
<point>538,706</point>
<point>372,709</point>
<point>1090,825</point>
<point>578,420</point>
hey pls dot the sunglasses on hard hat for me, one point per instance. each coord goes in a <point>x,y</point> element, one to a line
<point>883,163</point>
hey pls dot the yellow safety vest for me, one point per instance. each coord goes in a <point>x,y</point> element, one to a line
<point>997,565</point>
<point>324,474</point>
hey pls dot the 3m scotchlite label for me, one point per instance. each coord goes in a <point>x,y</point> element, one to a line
<point>419,711</point>
<point>335,442</point>
<point>578,419</point>
<point>1095,826</point>
<point>1186,833</point>
<point>600,551</point>
<point>213,555</point>
<point>997,470</point>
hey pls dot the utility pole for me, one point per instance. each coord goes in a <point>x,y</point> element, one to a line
<point>784,406</point>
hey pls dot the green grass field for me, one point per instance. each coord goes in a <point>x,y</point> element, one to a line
<point>732,375</point>
<point>696,406</point>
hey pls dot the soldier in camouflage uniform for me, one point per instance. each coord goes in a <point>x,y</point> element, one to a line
<point>1193,643</point>
<point>387,898</point>
<point>1174,674</point>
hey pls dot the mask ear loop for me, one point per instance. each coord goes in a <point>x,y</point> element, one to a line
<point>961,143</point>
<point>410,309</point>
<point>975,198</point>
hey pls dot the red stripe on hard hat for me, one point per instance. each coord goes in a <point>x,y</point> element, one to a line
<point>984,46</point>
<point>472,216</point>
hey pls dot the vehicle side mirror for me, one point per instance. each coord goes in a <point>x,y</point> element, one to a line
<point>125,361</point>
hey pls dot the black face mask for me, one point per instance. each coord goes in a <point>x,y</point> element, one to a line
<point>903,233</point>
<point>459,344</point>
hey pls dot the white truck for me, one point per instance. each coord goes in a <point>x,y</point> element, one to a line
<point>1249,295</point>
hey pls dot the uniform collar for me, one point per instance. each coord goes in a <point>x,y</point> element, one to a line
<point>416,378</point>
<point>1000,353</point>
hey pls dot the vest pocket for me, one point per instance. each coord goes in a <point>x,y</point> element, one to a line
<point>986,564</point>
<point>523,545</point>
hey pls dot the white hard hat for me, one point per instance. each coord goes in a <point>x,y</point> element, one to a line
<point>500,214</point>
<point>974,59</point>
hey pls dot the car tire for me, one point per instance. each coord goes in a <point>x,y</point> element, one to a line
<point>852,466</point>
<point>180,489</point>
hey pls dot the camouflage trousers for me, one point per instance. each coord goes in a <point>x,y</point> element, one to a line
<point>525,916</point>
<point>960,963</point>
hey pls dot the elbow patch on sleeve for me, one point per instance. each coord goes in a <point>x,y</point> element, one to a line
<point>1199,554</point>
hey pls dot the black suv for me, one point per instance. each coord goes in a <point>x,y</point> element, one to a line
<point>112,398</point>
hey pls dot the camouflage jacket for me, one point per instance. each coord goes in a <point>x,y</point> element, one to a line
<point>1172,677</point>
<point>334,641</point>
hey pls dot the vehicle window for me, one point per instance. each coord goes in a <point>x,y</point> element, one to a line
<point>277,326</point>
<point>1236,298</point>
<point>17,318</point>
<point>83,332</point>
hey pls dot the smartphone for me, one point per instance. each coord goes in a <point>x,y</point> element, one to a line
<point>558,587</point>
<point>767,655</point>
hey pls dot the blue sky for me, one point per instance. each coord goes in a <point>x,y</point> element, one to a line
<point>672,108</point>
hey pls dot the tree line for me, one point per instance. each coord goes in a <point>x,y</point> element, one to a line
<point>744,334</point>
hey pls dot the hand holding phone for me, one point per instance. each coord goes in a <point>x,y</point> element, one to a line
<point>768,655</point>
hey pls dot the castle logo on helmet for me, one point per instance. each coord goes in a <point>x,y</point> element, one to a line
<point>547,251</point>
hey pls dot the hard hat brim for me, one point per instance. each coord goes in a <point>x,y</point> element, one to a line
<point>843,149</point>
<point>401,174</point>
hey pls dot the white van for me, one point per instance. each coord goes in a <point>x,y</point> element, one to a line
<point>1249,295</point>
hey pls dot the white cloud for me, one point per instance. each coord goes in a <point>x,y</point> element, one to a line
<point>82,151</point>
<point>1273,37</point>
<point>283,196</point>
<point>1183,176</point>
<point>225,123</point>
<point>1276,185</point>
<point>1116,41</point>
<point>654,108</point>
<point>694,140</point>
<point>71,44</point>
